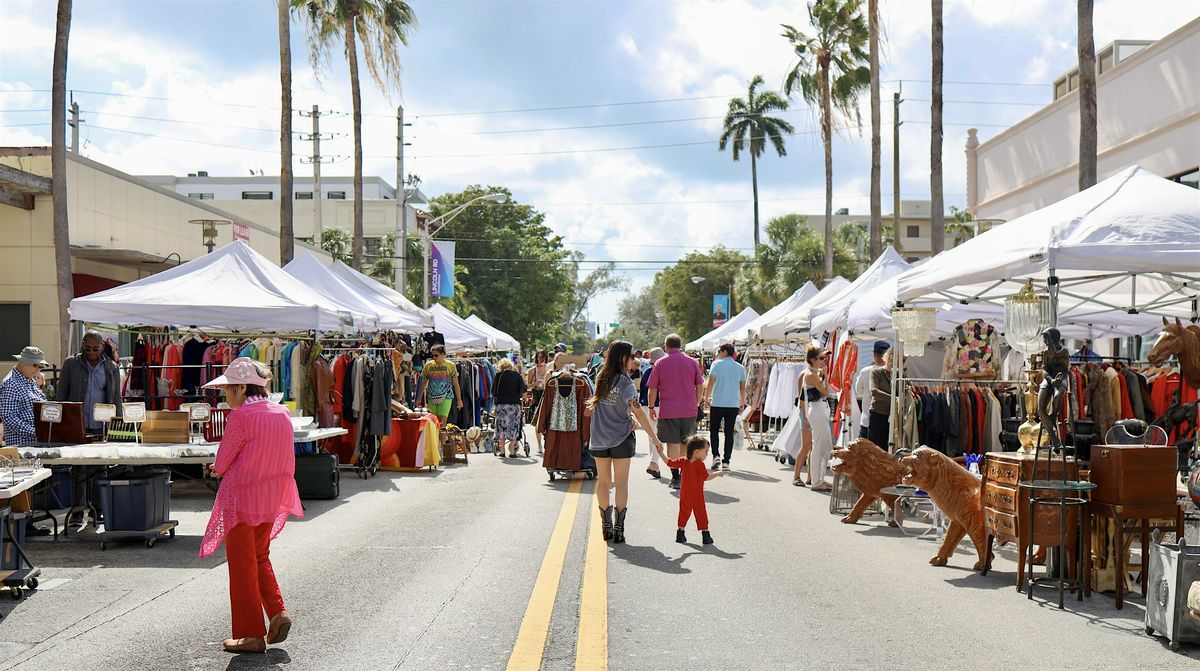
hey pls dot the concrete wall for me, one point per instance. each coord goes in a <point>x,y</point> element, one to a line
<point>106,209</point>
<point>379,216</point>
<point>231,188</point>
<point>1148,113</point>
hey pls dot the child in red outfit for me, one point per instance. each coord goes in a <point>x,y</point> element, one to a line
<point>691,491</point>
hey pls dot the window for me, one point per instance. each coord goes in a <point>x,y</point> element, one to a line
<point>304,195</point>
<point>200,196</point>
<point>258,195</point>
<point>912,231</point>
<point>1060,88</point>
<point>15,317</point>
<point>1190,178</point>
<point>336,195</point>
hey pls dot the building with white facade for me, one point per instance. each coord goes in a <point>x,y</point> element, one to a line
<point>256,197</point>
<point>1148,111</point>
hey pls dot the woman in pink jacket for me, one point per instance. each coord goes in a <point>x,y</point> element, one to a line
<point>256,464</point>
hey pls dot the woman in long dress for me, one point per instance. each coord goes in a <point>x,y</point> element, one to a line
<point>814,392</point>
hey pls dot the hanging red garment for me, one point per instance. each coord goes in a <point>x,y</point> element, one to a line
<point>842,378</point>
<point>1123,388</point>
<point>173,356</point>
<point>343,446</point>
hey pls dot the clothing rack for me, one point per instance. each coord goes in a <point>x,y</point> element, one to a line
<point>900,384</point>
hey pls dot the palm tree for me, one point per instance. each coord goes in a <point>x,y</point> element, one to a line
<point>287,243</point>
<point>831,73</point>
<point>937,223</point>
<point>747,122</point>
<point>876,240</point>
<point>58,172</point>
<point>1087,96</point>
<point>381,26</point>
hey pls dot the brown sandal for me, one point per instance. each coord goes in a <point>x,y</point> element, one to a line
<point>799,482</point>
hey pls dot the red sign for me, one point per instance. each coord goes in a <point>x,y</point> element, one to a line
<point>241,231</point>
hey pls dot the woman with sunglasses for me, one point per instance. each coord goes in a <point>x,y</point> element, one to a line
<point>818,444</point>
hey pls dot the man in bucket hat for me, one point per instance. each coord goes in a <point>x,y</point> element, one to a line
<point>18,391</point>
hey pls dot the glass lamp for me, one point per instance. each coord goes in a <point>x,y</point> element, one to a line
<point>913,328</point>
<point>1026,317</point>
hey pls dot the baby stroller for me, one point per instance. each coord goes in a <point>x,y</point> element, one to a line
<point>491,431</point>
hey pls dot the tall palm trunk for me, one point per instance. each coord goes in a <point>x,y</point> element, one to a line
<point>287,244</point>
<point>827,141</point>
<point>58,174</point>
<point>937,224</point>
<point>356,248</point>
<point>876,233</point>
<point>754,184</point>
<point>1087,96</point>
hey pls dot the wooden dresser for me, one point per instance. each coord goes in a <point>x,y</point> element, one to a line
<point>1006,506</point>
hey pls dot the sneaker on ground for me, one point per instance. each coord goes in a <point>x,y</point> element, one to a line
<point>716,464</point>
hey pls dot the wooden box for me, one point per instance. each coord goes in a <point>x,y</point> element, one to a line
<point>165,426</point>
<point>71,430</point>
<point>1133,475</point>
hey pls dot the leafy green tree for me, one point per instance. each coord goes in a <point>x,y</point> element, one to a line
<point>793,255</point>
<point>831,72</point>
<point>961,227</point>
<point>514,268</point>
<point>598,281</point>
<point>336,241</point>
<point>687,305</point>
<point>379,28</point>
<point>641,318</point>
<point>747,125</point>
<point>384,261</point>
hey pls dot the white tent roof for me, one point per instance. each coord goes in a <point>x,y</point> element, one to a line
<point>357,279</point>
<point>798,298</point>
<point>313,272</point>
<point>870,317</point>
<point>831,314</point>
<point>235,287</point>
<point>1130,241</point>
<point>715,337</point>
<point>460,335</point>
<point>500,339</point>
<point>795,321</point>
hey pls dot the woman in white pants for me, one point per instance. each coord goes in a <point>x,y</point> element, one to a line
<point>816,390</point>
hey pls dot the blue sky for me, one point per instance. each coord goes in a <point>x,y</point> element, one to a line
<point>215,64</point>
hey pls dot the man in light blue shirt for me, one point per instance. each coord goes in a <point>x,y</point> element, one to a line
<point>725,392</point>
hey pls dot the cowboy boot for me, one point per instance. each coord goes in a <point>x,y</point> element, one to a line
<point>619,527</point>
<point>606,520</point>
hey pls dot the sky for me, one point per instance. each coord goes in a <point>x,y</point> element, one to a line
<point>604,115</point>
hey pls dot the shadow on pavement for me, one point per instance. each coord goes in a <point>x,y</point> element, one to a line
<point>719,499</point>
<point>714,551</point>
<point>650,557</point>
<point>270,660</point>
<point>752,477</point>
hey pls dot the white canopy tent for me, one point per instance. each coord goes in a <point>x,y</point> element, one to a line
<point>460,335</point>
<point>234,287</point>
<point>832,314</point>
<point>1129,243</point>
<point>357,279</point>
<point>501,341</point>
<point>746,333</point>
<point>794,322</point>
<point>715,337</point>
<point>311,271</point>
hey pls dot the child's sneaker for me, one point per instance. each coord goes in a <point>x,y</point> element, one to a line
<point>680,537</point>
<point>707,537</point>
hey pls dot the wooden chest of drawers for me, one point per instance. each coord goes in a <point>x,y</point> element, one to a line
<point>1006,505</point>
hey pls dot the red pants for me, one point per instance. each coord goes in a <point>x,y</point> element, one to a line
<point>252,586</point>
<point>687,508</point>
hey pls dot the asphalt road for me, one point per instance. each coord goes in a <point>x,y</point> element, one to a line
<point>487,566</point>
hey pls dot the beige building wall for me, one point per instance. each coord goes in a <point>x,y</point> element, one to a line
<point>107,210</point>
<point>1148,113</point>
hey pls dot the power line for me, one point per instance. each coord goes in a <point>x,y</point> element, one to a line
<point>977,102</point>
<point>183,139</point>
<point>574,107</point>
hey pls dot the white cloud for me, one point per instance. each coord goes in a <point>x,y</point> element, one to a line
<point>628,45</point>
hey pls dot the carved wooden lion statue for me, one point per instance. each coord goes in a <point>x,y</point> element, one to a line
<point>870,469</point>
<point>955,492</point>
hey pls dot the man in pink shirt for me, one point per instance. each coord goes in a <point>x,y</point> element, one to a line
<point>677,386</point>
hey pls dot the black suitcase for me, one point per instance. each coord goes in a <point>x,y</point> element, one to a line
<point>317,476</point>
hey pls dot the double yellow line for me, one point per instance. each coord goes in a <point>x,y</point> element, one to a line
<point>591,644</point>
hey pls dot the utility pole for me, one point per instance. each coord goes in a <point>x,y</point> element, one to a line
<point>74,124</point>
<point>896,232</point>
<point>401,271</point>
<point>316,160</point>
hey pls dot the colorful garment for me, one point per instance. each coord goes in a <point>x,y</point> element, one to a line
<point>439,385</point>
<point>976,348</point>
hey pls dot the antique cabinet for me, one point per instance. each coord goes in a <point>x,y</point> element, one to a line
<point>1006,505</point>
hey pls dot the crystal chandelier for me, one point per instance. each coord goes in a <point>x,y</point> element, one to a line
<point>1026,317</point>
<point>914,327</point>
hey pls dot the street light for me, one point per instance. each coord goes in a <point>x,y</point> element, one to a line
<point>433,226</point>
<point>208,230</point>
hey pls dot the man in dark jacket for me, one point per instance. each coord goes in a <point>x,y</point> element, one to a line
<point>90,378</point>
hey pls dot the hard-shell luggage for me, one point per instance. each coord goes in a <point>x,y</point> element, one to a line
<point>317,476</point>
